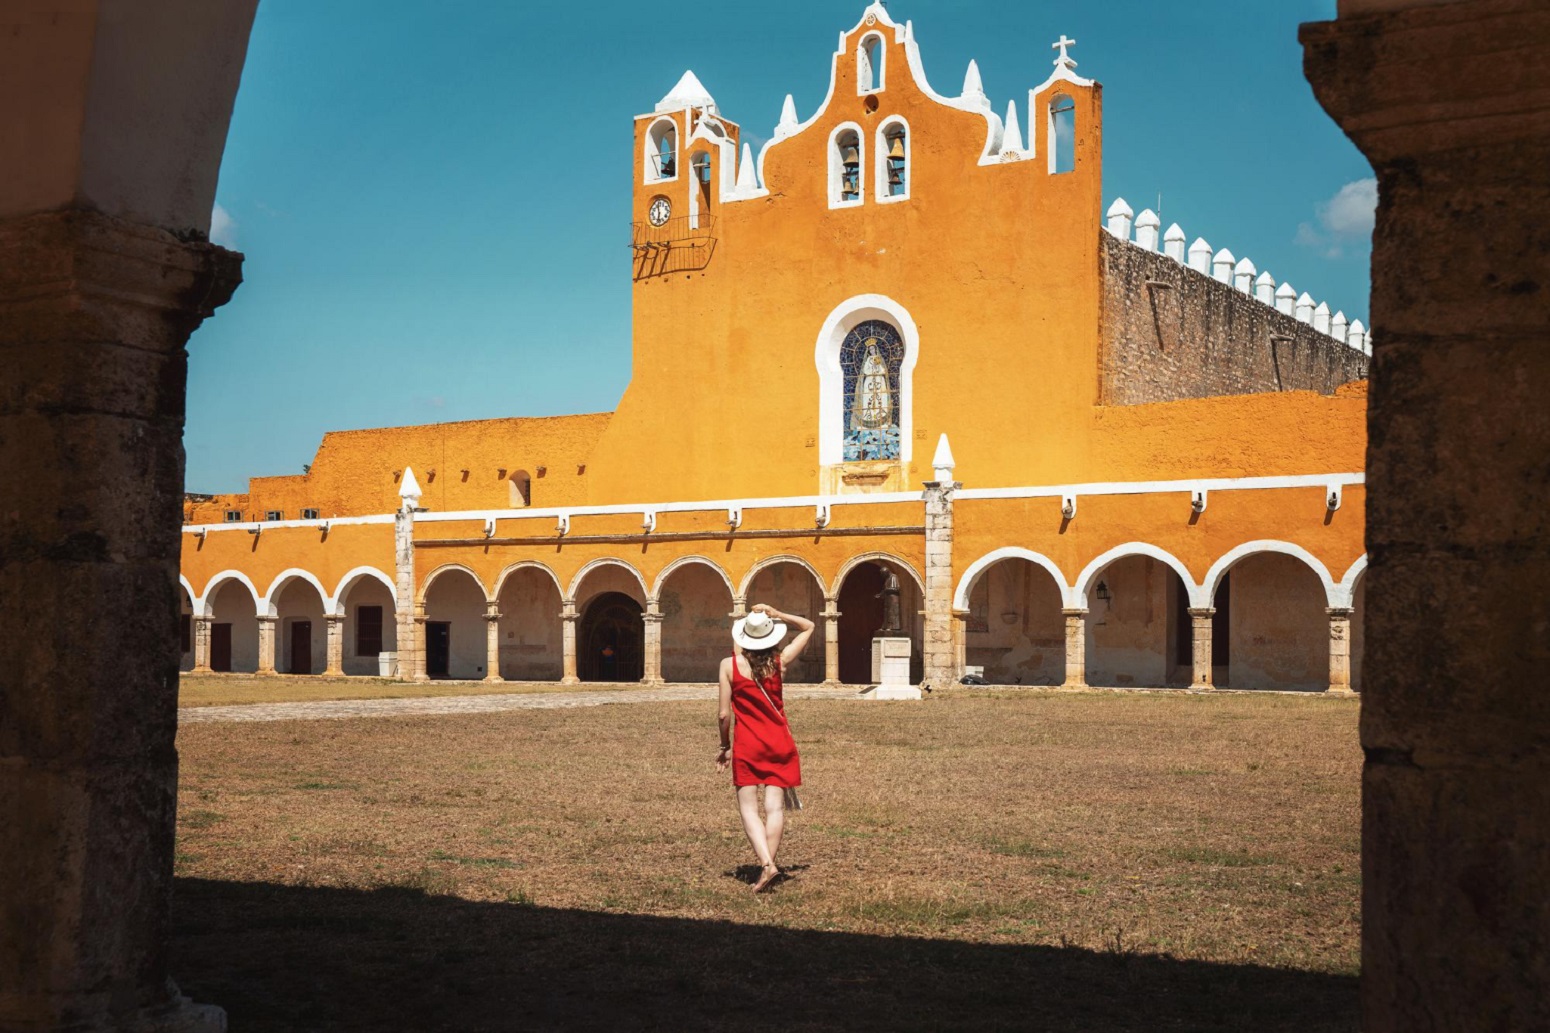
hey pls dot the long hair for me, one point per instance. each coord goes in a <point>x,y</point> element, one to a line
<point>763,662</point>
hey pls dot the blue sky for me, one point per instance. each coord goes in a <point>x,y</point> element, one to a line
<point>434,197</point>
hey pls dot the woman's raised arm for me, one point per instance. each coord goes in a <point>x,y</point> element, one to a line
<point>804,628</point>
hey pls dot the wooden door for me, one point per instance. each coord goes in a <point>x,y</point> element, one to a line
<point>861,615</point>
<point>438,648</point>
<point>301,647</point>
<point>220,647</point>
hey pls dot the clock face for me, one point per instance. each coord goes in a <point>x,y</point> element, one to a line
<point>660,211</point>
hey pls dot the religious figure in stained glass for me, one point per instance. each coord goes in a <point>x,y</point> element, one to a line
<point>869,358</point>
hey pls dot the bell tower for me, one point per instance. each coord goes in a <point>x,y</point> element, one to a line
<point>685,162</point>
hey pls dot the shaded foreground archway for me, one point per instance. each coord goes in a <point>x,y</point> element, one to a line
<point>860,604</point>
<point>611,645</point>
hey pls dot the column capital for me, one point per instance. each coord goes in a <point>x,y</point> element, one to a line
<point>334,618</point>
<point>831,615</point>
<point>268,618</point>
<point>1338,612</point>
<point>1202,611</point>
<point>1074,611</point>
<point>651,618</point>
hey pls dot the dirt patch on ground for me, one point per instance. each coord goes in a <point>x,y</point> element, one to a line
<point>227,690</point>
<point>996,860</point>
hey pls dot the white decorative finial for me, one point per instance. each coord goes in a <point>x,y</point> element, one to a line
<point>747,181</point>
<point>1064,60</point>
<point>1173,243</point>
<point>409,489</point>
<point>788,118</point>
<point>1243,276</point>
<point>1200,256</point>
<point>942,462</point>
<point>973,88</point>
<point>1265,288</point>
<point>1338,327</point>
<point>1304,307</point>
<point>1221,265</point>
<point>1119,218</point>
<point>1147,225</point>
<point>1321,318</point>
<point>688,92</point>
<point>1286,299</point>
<point>1012,138</point>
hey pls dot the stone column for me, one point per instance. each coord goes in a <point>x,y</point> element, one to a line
<point>94,316</point>
<point>652,618</point>
<point>940,656</point>
<point>1200,646</point>
<point>1076,649</point>
<point>1339,649</point>
<point>739,607</point>
<point>961,641</point>
<point>492,643</point>
<point>831,644</point>
<point>1455,724</point>
<point>201,645</point>
<point>335,668</point>
<point>569,617</point>
<point>266,626</point>
<point>407,637</point>
<point>417,667</point>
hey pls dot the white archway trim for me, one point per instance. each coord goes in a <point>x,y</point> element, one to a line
<point>1010,552</point>
<point>650,150</point>
<point>847,315</point>
<point>607,561</point>
<point>192,595</point>
<point>880,164</point>
<point>863,65</point>
<point>1247,549</point>
<point>336,601</point>
<point>446,568</point>
<point>1346,590</point>
<point>202,603</point>
<point>876,557</point>
<point>1078,596</point>
<point>774,561</point>
<point>500,582</point>
<point>289,574</point>
<point>836,166</point>
<point>685,561</point>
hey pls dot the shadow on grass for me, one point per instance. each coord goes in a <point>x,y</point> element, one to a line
<point>292,959</point>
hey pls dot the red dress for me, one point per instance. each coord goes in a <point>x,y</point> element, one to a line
<point>763,752</point>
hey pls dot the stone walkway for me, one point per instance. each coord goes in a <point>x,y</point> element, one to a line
<point>486,704</point>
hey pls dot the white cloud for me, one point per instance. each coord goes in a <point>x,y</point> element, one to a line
<point>1345,218</point>
<point>223,228</point>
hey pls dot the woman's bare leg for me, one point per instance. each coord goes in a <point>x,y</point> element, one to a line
<point>774,818</point>
<point>753,827</point>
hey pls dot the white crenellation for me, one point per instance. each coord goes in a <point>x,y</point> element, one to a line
<point>1265,288</point>
<point>1221,265</point>
<point>1286,299</point>
<point>1200,256</point>
<point>1119,217</point>
<point>1321,318</point>
<point>1243,276</point>
<point>1173,243</point>
<point>1356,337</point>
<point>1338,327</point>
<point>1305,308</point>
<point>1148,226</point>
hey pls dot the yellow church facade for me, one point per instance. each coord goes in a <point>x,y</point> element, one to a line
<point>903,342</point>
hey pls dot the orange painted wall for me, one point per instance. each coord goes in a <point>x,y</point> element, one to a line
<point>327,557</point>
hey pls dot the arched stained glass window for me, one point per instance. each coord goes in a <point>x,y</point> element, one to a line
<point>870,357</point>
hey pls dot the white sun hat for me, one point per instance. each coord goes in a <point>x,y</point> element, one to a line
<point>758,631</point>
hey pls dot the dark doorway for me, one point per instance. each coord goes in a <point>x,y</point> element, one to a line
<point>1221,628</point>
<point>438,648</point>
<point>301,647</point>
<point>612,643</point>
<point>220,647</point>
<point>861,614</point>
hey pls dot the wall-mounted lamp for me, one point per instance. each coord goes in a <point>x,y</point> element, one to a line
<point>489,527</point>
<point>256,530</point>
<point>1102,592</point>
<point>648,520</point>
<point>821,515</point>
<point>1332,497</point>
<point>1068,507</point>
<point>1009,617</point>
<point>735,517</point>
<point>1197,500</point>
<point>562,525</point>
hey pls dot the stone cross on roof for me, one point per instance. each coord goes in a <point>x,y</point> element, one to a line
<point>1065,59</point>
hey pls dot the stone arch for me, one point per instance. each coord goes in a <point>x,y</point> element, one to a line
<point>694,633</point>
<point>193,596</point>
<point>1238,554</point>
<point>202,602</point>
<point>877,557</point>
<point>500,581</point>
<point>447,568</point>
<point>1078,594</point>
<point>371,626</point>
<point>861,613</point>
<point>530,598</point>
<point>770,561</point>
<point>684,561</point>
<point>844,318</point>
<point>598,564</point>
<point>267,603</point>
<point>659,164</point>
<point>1345,592</point>
<point>972,573</point>
<point>351,578</point>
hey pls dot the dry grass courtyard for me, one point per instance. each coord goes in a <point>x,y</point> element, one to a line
<point>1019,860</point>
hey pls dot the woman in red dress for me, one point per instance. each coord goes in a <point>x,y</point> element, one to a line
<point>763,753</point>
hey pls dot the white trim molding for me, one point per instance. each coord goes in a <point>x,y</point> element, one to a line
<point>831,379</point>
<point>447,568</point>
<point>973,572</point>
<point>294,574</point>
<point>650,149</point>
<point>336,601</point>
<point>837,166</point>
<point>202,601</point>
<point>1347,586</point>
<point>1267,545</point>
<point>865,73</point>
<point>500,581</point>
<point>606,561</point>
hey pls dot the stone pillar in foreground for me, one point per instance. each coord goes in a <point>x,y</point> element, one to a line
<point>568,619</point>
<point>418,669</point>
<point>1201,646</point>
<point>940,666</point>
<point>1339,649</point>
<point>407,636</point>
<point>492,642</point>
<point>266,626</point>
<point>1076,648</point>
<point>651,667</point>
<point>1450,102</point>
<point>831,644</point>
<point>201,645</point>
<point>335,668</point>
<point>94,314</point>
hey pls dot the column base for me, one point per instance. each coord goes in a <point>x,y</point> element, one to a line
<point>832,683</point>
<point>202,670</point>
<point>570,681</point>
<point>1201,687</point>
<point>653,682</point>
<point>271,673</point>
<point>494,679</point>
<point>1075,685</point>
<point>1340,690</point>
<point>334,672</point>
<point>892,692</point>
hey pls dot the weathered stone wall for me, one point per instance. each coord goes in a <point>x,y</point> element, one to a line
<point>1028,649</point>
<point>530,634</point>
<point>696,628</point>
<point>1279,628</point>
<point>1199,337</point>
